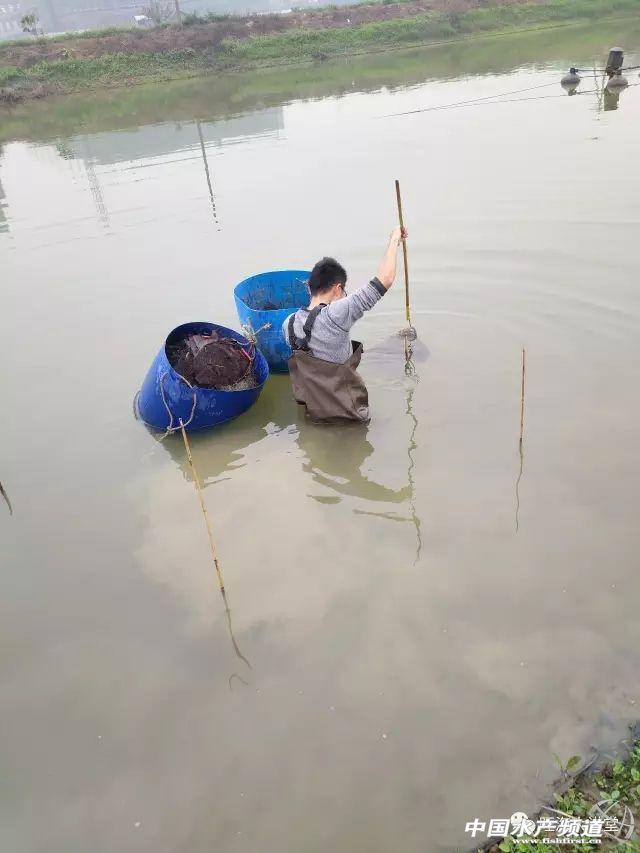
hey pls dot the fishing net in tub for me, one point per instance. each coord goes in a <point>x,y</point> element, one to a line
<point>213,361</point>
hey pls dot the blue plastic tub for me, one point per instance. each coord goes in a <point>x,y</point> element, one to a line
<point>209,407</point>
<point>267,299</point>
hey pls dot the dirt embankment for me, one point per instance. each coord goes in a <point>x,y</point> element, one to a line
<point>201,37</point>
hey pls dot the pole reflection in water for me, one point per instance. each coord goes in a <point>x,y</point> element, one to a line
<point>341,472</point>
<point>520,442</point>
<point>6,497</point>
<point>610,99</point>
<point>234,643</point>
<point>95,187</point>
<point>190,472</point>
<point>410,470</point>
<point>520,472</point>
<point>207,174</point>
<point>219,454</point>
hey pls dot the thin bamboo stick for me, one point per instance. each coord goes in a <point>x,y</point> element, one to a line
<point>404,255</point>
<point>524,356</point>
<point>196,480</point>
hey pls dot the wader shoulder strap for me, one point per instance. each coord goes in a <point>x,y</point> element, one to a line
<point>295,342</point>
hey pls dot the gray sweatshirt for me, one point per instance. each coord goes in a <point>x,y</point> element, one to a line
<point>330,340</point>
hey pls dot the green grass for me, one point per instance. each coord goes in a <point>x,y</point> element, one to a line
<point>304,44</point>
<point>297,45</point>
<point>9,74</point>
<point>300,45</point>
<point>71,74</point>
<point>194,18</point>
<point>106,108</point>
<point>83,34</point>
<point>111,67</point>
<point>618,784</point>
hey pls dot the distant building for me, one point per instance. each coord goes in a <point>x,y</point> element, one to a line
<point>10,14</point>
<point>58,16</point>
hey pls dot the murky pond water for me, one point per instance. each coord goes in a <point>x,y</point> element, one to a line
<point>418,644</point>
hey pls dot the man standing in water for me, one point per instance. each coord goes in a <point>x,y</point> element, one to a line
<point>324,359</point>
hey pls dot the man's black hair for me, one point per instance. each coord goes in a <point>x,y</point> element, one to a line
<point>325,274</point>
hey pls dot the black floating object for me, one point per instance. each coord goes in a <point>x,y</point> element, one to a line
<point>614,60</point>
<point>571,79</point>
<point>617,81</point>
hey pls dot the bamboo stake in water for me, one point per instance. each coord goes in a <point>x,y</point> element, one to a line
<point>214,554</point>
<point>524,355</point>
<point>520,448</point>
<point>404,254</point>
<point>196,480</point>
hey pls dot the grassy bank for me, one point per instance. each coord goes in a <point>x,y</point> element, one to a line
<point>32,70</point>
<point>613,787</point>
<point>219,96</point>
<point>67,75</point>
<point>309,44</point>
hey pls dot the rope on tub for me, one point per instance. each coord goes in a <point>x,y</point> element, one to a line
<point>252,335</point>
<point>171,428</point>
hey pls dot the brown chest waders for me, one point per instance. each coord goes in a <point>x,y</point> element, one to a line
<point>329,391</point>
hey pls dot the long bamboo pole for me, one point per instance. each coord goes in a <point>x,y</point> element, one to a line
<point>196,480</point>
<point>524,357</point>
<point>214,554</point>
<point>404,255</point>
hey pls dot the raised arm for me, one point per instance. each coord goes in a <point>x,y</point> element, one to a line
<point>346,311</point>
<point>387,267</point>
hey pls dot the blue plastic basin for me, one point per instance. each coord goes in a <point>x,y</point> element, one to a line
<point>212,407</point>
<point>267,299</point>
